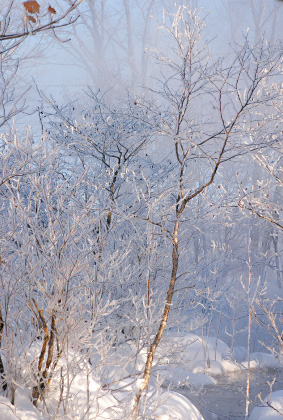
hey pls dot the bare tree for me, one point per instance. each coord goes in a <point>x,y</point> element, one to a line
<point>19,22</point>
<point>225,98</point>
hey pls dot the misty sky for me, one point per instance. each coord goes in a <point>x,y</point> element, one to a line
<point>58,71</point>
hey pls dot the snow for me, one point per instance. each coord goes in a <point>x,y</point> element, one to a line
<point>177,407</point>
<point>200,355</point>
<point>177,376</point>
<point>213,367</point>
<point>198,379</point>
<point>268,413</point>
<point>253,364</point>
<point>200,361</point>
<point>265,360</point>
<point>137,386</point>
<point>23,409</point>
<point>210,356</point>
<point>116,401</point>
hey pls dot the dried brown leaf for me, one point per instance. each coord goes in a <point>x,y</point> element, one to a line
<point>32,6</point>
<point>51,10</point>
<point>32,19</point>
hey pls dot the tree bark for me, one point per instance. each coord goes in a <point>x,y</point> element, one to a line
<point>48,342</point>
<point>159,334</point>
<point>2,370</point>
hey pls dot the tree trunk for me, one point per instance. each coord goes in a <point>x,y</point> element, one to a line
<point>2,371</point>
<point>159,334</point>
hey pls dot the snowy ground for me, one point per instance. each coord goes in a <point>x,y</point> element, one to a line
<point>210,377</point>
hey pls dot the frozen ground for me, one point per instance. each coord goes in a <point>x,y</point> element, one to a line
<point>210,377</point>
<point>225,400</point>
